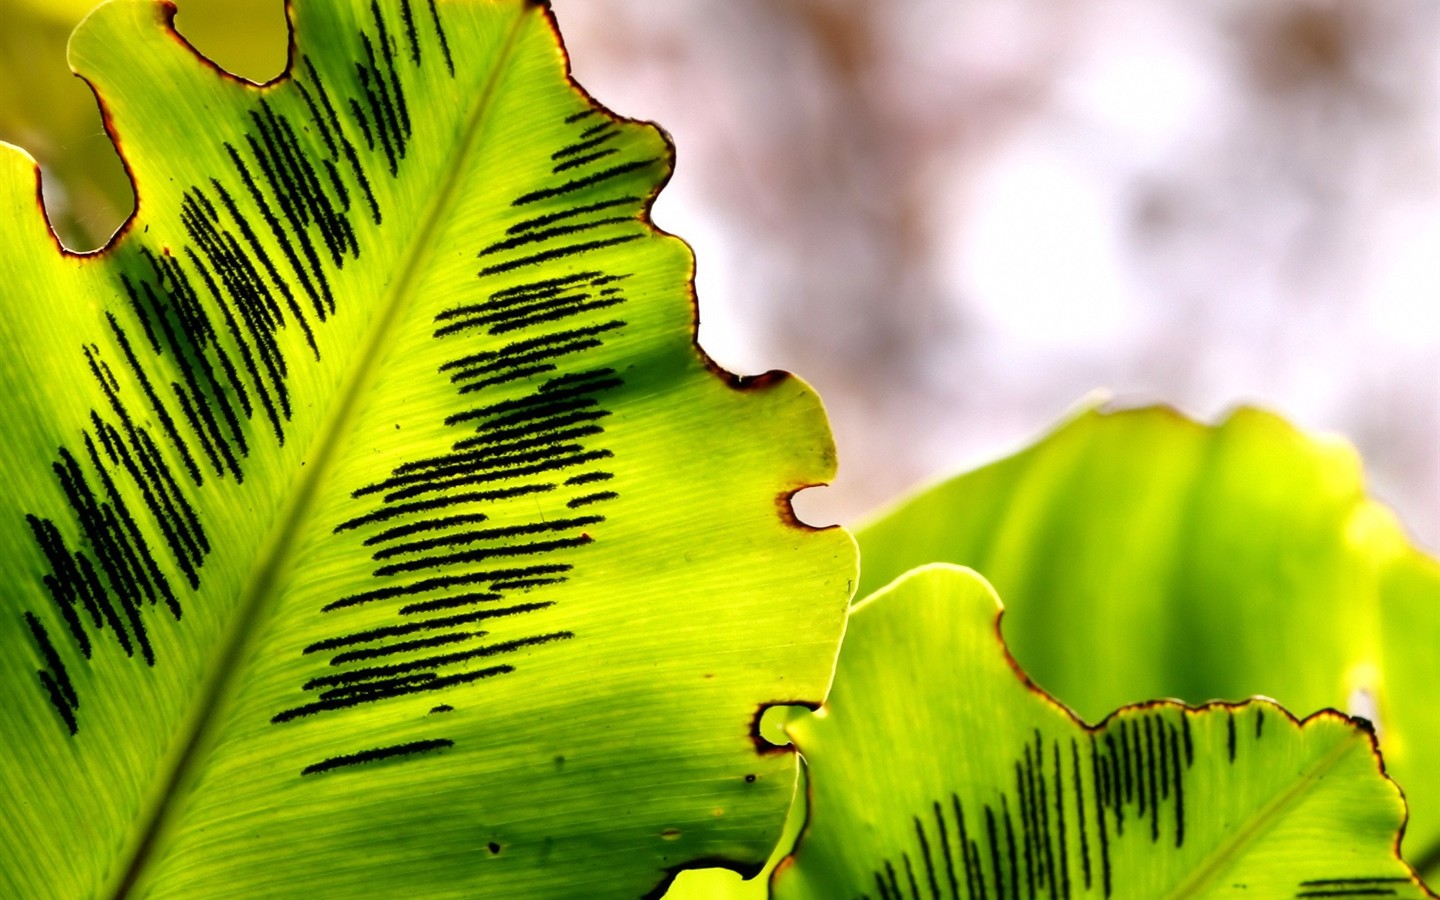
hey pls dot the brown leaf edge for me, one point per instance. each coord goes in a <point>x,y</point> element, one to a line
<point>1327,714</point>
<point>748,384</point>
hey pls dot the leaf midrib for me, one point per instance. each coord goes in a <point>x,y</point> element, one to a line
<point>1262,821</point>
<point>258,592</point>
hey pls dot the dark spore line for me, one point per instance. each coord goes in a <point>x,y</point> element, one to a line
<point>379,753</point>
<point>195,333</point>
<point>1023,845</point>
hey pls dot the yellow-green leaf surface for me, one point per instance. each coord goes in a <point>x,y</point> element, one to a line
<point>938,771</point>
<point>372,524</point>
<point>723,884</point>
<point>1142,554</point>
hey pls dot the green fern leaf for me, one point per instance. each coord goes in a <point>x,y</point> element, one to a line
<point>1200,562</point>
<point>373,525</point>
<point>936,772</point>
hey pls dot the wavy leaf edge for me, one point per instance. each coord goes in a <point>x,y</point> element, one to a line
<point>1326,715</point>
<point>766,381</point>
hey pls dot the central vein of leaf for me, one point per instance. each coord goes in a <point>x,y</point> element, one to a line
<point>274,561</point>
<point>1266,818</point>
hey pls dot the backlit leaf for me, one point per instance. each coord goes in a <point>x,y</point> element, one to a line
<point>373,526</point>
<point>1142,555</point>
<point>938,771</point>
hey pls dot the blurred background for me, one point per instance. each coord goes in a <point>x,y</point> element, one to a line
<point>957,218</point>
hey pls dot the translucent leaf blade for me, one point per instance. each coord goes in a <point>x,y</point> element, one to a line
<point>378,525</point>
<point>1200,563</point>
<point>938,771</point>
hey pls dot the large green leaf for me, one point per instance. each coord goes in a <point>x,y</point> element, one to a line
<point>936,772</point>
<point>1143,555</point>
<point>373,526</point>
